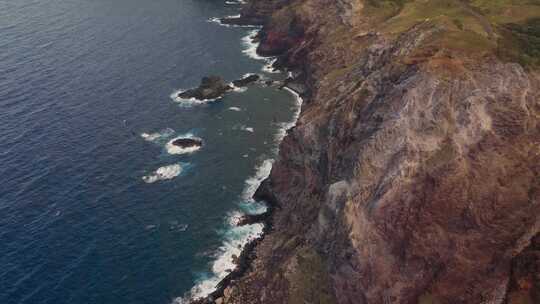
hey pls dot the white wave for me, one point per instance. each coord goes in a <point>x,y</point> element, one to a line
<point>236,109</point>
<point>243,128</point>
<point>252,183</point>
<point>188,102</point>
<point>246,75</point>
<point>250,49</point>
<point>237,237</point>
<point>269,68</point>
<point>282,131</point>
<point>163,173</point>
<point>150,227</point>
<point>219,22</point>
<point>251,46</point>
<point>235,240</point>
<point>173,149</point>
<point>168,132</point>
<point>237,89</point>
<point>238,2</point>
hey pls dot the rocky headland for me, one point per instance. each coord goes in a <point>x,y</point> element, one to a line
<point>413,173</point>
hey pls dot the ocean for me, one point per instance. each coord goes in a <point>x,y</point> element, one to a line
<point>96,205</point>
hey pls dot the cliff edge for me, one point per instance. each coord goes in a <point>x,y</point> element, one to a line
<point>412,175</point>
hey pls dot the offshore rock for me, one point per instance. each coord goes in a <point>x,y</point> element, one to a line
<point>211,87</point>
<point>187,142</point>
<point>246,80</point>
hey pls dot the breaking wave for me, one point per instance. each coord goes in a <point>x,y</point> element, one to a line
<point>235,237</point>
<point>284,126</point>
<point>173,149</point>
<point>163,173</point>
<point>188,102</point>
<point>165,133</point>
<point>218,21</point>
<point>251,46</point>
<point>243,128</point>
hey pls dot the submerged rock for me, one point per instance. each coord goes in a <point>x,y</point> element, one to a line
<point>246,80</point>
<point>187,142</point>
<point>211,87</point>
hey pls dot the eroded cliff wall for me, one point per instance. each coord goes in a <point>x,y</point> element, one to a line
<point>412,175</point>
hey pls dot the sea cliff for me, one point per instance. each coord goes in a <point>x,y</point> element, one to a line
<point>412,175</point>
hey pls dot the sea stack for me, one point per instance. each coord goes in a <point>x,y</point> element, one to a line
<point>211,87</point>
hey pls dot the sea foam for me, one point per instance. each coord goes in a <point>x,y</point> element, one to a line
<point>250,49</point>
<point>189,102</point>
<point>235,2</point>
<point>269,67</point>
<point>250,46</point>
<point>284,126</point>
<point>243,128</point>
<point>235,238</point>
<point>163,173</point>
<point>218,21</point>
<point>165,133</point>
<point>173,149</point>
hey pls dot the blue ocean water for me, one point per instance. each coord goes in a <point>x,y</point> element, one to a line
<point>86,113</point>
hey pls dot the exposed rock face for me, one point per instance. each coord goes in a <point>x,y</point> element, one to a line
<point>246,80</point>
<point>187,142</point>
<point>524,286</point>
<point>413,174</point>
<point>211,87</point>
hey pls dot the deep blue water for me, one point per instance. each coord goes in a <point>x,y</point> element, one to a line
<point>80,81</point>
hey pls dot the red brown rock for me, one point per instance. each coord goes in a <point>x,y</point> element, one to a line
<point>413,174</point>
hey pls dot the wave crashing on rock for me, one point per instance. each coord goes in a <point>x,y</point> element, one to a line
<point>163,173</point>
<point>184,144</point>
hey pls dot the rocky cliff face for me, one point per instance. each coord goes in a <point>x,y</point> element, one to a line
<point>412,175</point>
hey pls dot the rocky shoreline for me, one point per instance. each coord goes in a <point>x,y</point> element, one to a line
<point>263,192</point>
<point>214,87</point>
<point>412,174</point>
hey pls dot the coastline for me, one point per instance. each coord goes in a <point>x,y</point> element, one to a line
<point>262,194</point>
<point>372,152</point>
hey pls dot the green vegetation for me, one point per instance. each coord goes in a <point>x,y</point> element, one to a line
<point>521,42</point>
<point>509,28</point>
